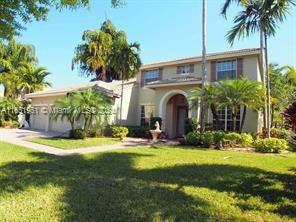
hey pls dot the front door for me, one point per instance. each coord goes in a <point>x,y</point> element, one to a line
<point>182,114</point>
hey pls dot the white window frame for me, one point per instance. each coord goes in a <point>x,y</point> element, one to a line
<point>228,60</point>
<point>185,66</point>
<point>226,120</point>
<point>145,115</point>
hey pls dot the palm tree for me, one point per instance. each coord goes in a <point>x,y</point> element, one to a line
<point>239,92</point>
<point>66,108</point>
<point>262,16</point>
<point>33,79</point>
<point>210,99</point>
<point>93,104</point>
<point>125,60</point>
<point>13,57</point>
<point>290,75</point>
<point>204,72</point>
<point>93,55</point>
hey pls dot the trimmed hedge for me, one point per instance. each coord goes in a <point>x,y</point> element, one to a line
<point>117,131</point>
<point>93,132</point>
<point>270,145</point>
<point>232,139</point>
<point>138,131</point>
<point>78,134</point>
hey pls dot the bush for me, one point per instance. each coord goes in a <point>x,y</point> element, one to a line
<point>270,145</point>
<point>183,141</point>
<point>153,121</point>
<point>9,124</point>
<point>193,138</point>
<point>137,131</point>
<point>232,139</point>
<point>276,133</point>
<point>78,134</point>
<point>218,136</point>
<point>117,132</point>
<point>190,125</point>
<point>246,140</point>
<point>207,139</point>
<point>94,132</point>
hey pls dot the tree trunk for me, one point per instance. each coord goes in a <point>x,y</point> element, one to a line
<point>267,86</point>
<point>243,119</point>
<point>215,114</point>
<point>204,74</point>
<point>272,116</point>
<point>262,71</point>
<point>234,121</point>
<point>104,74</point>
<point>121,99</point>
<point>5,92</point>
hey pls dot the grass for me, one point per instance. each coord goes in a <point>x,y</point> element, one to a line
<point>147,184</point>
<point>68,144</point>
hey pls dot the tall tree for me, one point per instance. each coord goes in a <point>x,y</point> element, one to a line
<point>92,57</point>
<point>13,57</point>
<point>33,79</point>
<point>125,59</point>
<point>263,16</point>
<point>15,13</point>
<point>204,71</point>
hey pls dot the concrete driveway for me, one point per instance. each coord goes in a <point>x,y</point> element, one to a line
<point>18,136</point>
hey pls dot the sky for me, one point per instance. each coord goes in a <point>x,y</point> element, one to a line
<point>165,29</point>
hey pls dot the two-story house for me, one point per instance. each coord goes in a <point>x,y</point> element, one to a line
<point>161,89</point>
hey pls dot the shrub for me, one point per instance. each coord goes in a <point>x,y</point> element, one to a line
<point>190,125</point>
<point>232,139</point>
<point>137,131</point>
<point>153,121</point>
<point>246,140</point>
<point>207,139</point>
<point>94,132</point>
<point>193,138</point>
<point>218,137</point>
<point>270,145</point>
<point>183,141</point>
<point>275,133</point>
<point>118,132</point>
<point>9,124</point>
<point>78,134</point>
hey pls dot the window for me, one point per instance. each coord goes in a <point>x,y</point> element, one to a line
<point>146,112</point>
<point>151,75</point>
<point>224,115</point>
<point>185,69</point>
<point>226,70</point>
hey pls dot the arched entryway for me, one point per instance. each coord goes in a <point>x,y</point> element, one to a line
<point>174,109</point>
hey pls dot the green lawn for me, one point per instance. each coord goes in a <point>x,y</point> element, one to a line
<point>68,144</point>
<point>146,184</point>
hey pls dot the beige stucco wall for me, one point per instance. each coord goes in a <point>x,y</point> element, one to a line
<point>148,96</point>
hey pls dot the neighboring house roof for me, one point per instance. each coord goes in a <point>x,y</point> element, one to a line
<point>210,56</point>
<point>184,80</point>
<point>109,88</point>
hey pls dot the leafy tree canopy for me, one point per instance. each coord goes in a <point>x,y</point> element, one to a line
<point>15,13</point>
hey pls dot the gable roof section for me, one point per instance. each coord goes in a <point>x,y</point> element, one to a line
<point>209,57</point>
<point>109,88</point>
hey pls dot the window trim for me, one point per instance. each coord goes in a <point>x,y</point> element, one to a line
<point>226,120</point>
<point>145,71</point>
<point>185,73</point>
<point>225,60</point>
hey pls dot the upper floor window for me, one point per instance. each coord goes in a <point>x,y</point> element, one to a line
<point>226,70</point>
<point>151,75</point>
<point>185,69</point>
